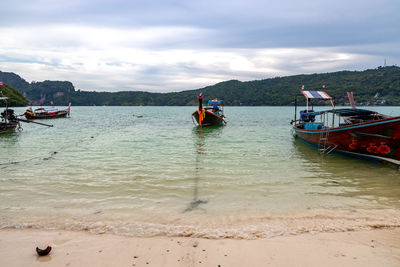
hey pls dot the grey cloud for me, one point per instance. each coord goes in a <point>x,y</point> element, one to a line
<point>234,23</point>
<point>367,30</point>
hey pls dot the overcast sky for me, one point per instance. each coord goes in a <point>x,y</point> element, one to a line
<point>175,45</point>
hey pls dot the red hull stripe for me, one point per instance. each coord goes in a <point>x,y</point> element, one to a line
<point>358,155</point>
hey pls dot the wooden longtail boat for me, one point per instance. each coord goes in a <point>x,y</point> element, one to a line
<point>46,113</point>
<point>356,132</point>
<point>8,120</point>
<point>210,115</point>
<point>7,127</point>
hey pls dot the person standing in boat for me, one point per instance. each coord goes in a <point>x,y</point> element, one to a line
<point>215,107</point>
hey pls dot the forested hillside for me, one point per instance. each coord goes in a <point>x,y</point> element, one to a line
<point>15,98</point>
<point>380,86</point>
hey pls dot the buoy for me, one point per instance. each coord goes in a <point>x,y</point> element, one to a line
<point>373,149</point>
<point>353,146</point>
<point>384,149</point>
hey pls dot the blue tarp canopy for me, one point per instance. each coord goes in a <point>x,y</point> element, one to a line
<point>214,102</point>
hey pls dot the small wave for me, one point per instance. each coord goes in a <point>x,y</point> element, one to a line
<point>235,228</point>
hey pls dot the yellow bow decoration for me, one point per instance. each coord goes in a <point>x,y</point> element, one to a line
<point>202,115</point>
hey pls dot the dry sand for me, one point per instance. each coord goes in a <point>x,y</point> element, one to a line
<point>379,247</point>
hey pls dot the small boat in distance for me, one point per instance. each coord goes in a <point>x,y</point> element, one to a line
<point>356,132</point>
<point>46,113</point>
<point>212,114</point>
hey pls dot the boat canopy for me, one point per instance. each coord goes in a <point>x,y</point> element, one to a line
<point>3,98</point>
<point>348,112</point>
<point>52,109</point>
<point>316,94</point>
<point>345,112</point>
<point>214,102</point>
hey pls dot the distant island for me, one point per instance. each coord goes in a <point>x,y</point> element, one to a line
<point>380,86</point>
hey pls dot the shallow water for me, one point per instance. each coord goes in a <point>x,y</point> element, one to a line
<point>104,170</point>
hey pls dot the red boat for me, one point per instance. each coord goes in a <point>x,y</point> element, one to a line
<point>355,132</point>
<point>46,113</point>
<point>213,114</point>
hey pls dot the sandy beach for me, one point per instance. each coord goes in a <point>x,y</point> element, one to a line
<point>378,247</point>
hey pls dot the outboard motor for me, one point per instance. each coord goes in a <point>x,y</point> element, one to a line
<point>9,115</point>
<point>306,116</point>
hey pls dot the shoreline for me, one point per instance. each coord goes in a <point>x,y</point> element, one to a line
<point>376,247</point>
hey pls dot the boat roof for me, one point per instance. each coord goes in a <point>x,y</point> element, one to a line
<point>3,98</point>
<point>46,108</point>
<point>348,112</point>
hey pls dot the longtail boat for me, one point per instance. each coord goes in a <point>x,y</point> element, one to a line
<point>356,132</point>
<point>46,113</point>
<point>212,114</point>
<point>8,120</point>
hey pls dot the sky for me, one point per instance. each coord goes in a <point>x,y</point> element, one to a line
<point>177,45</point>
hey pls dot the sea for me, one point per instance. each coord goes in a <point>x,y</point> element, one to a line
<point>104,170</point>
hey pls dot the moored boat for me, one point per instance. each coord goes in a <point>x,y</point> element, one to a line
<point>212,114</point>
<point>46,113</point>
<point>8,120</point>
<point>352,131</point>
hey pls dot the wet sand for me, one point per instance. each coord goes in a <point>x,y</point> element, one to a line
<point>378,247</point>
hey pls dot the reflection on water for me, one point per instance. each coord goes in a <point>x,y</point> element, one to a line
<point>199,135</point>
<point>8,149</point>
<point>7,139</point>
<point>352,178</point>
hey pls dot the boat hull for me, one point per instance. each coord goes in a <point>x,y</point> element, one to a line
<point>56,115</point>
<point>378,139</point>
<point>8,127</point>
<point>209,119</point>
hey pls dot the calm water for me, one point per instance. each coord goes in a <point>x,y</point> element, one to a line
<point>103,170</point>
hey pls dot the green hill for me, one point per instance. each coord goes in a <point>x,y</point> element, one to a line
<point>15,98</point>
<point>380,86</point>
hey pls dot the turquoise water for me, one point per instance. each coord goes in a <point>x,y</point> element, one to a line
<point>104,170</point>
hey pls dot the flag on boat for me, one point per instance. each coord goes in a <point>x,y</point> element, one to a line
<point>1,93</point>
<point>1,82</point>
<point>351,99</point>
<point>316,94</point>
